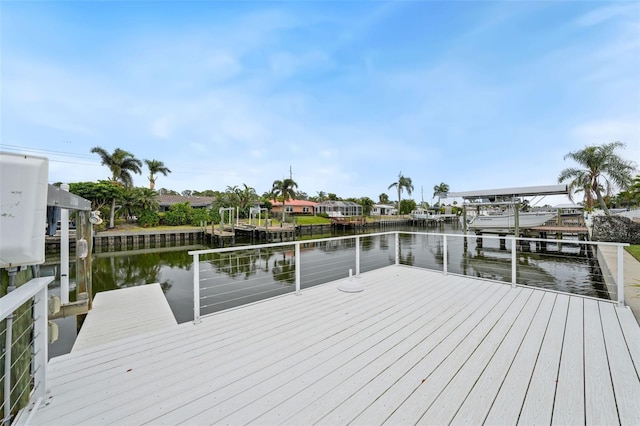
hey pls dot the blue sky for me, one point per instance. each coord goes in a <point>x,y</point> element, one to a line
<point>477,95</point>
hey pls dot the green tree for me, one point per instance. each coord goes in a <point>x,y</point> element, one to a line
<point>241,198</point>
<point>165,191</point>
<point>403,183</point>
<point>122,164</point>
<point>367,205</point>
<point>135,201</point>
<point>383,198</point>
<point>179,214</point>
<point>601,169</point>
<point>634,189</point>
<point>439,190</point>
<point>284,190</point>
<point>407,206</point>
<point>155,167</point>
<point>99,193</point>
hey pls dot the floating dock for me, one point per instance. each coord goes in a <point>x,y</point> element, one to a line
<point>122,313</point>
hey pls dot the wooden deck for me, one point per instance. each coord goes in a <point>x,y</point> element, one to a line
<point>414,347</point>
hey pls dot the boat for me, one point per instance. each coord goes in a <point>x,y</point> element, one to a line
<point>505,222</point>
<point>423,214</point>
<point>419,214</point>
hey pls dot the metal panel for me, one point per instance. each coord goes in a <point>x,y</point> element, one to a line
<point>59,198</point>
<point>526,191</point>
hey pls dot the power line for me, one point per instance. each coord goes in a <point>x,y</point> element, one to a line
<point>185,169</point>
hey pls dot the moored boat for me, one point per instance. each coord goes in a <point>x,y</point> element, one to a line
<point>505,222</point>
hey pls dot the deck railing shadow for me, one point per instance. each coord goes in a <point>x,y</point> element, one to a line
<point>229,277</point>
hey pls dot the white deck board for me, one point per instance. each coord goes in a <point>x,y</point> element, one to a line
<point>415,346</point>
<point>538,406</point>
<point>122,313</point>
<point>508,404</point>
<point>624,377</point>
<point>600,405</point>
<point>568,408</point>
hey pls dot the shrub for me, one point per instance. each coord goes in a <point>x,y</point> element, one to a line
<point>149,218</point>
<point>178,214</point>
<point>200,215</point>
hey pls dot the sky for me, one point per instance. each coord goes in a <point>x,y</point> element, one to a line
<point>341,95</point>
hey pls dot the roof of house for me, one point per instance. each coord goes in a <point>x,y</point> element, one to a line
<point>339,203</point>
<point>168,200</point>
<point>302,203</point>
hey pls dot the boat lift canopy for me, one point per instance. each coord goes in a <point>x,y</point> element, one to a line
<point>504,196</point>
<point>508,194</point>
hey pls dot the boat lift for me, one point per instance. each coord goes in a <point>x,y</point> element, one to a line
<point>505,196</point>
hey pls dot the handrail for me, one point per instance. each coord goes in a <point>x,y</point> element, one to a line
<point>35,289</point>
<point>397,249</point>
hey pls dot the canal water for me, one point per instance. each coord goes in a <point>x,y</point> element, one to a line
<point>231,279</point>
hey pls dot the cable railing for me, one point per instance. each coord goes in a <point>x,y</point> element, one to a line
<point>23,340</point>
<point>229,277</point>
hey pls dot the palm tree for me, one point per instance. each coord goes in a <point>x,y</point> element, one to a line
<point>367,205</point>
<point>438,190</point>
<point>602,170</point>
<point>121,163</point>
<point>155,167</point>
<point>285,189</point>
<point>402,183</point>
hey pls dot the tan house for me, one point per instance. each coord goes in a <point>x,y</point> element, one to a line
<point>294,207</point>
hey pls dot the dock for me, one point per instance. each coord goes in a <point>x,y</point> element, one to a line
<point>122,313</point>
<point>416,346</point>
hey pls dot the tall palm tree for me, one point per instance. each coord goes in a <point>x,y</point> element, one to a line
<point>438,190</point>
<point>155,167</point>
<point>402,183</point>
<point>285,190</point>
<point>122,164</point>
<point>602,170</point>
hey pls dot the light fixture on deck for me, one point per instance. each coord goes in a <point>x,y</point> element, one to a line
<point>351,285</point>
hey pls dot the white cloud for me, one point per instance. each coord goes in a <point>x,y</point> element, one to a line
<point>598,16</point>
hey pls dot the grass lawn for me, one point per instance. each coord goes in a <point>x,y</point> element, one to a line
<point>635,251</point>
<point>312,220</point>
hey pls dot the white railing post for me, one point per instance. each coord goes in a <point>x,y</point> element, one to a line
<point>40,343</point>
<point>7,370</point>
<point>397,248</point>
<point>64,251</point>
<point>620,276</point>
<point>297,269</point>
<point>196,288</point>
<point>357,255</point>
<point>513,262</point>
<point>444,256</point>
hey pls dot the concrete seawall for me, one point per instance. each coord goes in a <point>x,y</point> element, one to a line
<point>608,260</point>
